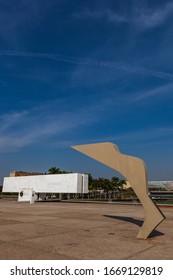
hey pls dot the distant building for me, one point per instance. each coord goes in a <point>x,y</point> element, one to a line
<point>165,185</point>
<point>23,173</point>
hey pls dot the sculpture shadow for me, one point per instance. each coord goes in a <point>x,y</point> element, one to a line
<point>137,222</point>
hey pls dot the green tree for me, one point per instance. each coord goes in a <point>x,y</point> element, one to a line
<point>121,186</point>
<point>90,179</point>
<point>94,187</point>
<point>107,186</point>
<point>54,170</point>
<point>104,184</point>
<point>115,184</point>
<point>90,184</point>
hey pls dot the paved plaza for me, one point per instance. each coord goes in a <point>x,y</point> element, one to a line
<point>59,230</point>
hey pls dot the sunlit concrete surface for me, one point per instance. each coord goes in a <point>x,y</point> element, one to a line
<point>57,230</point>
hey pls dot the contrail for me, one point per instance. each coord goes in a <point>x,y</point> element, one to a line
<point>91,62</point>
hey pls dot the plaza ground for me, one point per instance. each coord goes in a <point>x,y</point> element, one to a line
<point>59,230</point>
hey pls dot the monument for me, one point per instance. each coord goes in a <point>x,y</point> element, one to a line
<point>134,170</point>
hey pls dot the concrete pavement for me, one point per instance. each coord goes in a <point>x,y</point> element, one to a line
<point>57,230</point>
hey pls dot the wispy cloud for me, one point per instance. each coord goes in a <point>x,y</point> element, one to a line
<point>23,128</point>
<point>12,119</point>
<point>106,14</point>
<point>144,136</point>
<point>146,94</point>
<point>94,63</point>
<point>16,16</point>
<point>147,17</point>
<point>142,15</point>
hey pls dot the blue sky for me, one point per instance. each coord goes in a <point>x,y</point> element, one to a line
<point>77,72</point>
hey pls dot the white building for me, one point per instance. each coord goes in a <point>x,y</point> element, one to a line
<point>27,186</point>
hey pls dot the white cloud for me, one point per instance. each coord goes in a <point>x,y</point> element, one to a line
<point>107,14</point>
<point>92,63</point>
<point>16,16</point>
<point>115,17</point>
<point>158,91</point>
<point>146,18</point>
<point>9,120</point>
<point>20,129</point>
<point>141,16</point>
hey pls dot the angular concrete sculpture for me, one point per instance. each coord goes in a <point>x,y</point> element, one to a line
<point>134,170</point>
